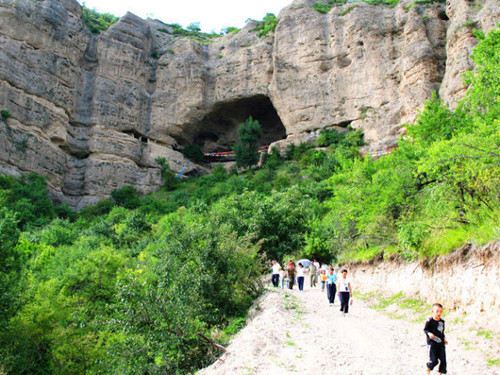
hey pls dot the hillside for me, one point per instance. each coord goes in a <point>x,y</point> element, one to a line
<point>157,283</point>
<point>93,111</point>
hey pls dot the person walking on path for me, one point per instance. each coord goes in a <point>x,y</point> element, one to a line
<point>316,264</point>
<point>290,271</point>
<point>323,277</point>
<point>282,278</point>
<point>312,274</point>
<point>345,292</point>
<point>275,277</point>
<point>300,276</point>
<point>328,270</point>
<point>434,330</point>
<point>332,286</point>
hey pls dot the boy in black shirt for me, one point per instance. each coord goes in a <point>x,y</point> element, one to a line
<point>434,330</point>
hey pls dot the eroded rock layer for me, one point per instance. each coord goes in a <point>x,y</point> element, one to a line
<point>93,112</point>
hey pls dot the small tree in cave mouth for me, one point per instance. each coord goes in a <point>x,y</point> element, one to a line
<point>246,149</point>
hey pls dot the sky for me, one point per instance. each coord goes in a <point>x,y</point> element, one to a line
<point>213,15</point>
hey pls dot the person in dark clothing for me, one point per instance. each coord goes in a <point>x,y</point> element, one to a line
<point>434,331</point>
<point>331,286</point>
<point>290,271</point>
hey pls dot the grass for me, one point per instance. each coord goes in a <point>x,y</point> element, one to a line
<point>442,242</point>
<point>468,345</point>
<point>360,255</point>
<point>289,343</point>
<point>386,302</point>
<point>487,334</point>
<point>348,10</point>
<point>291,302</point>
<point>225,335</point>
<point>416,310</point>
<point>493,362</point>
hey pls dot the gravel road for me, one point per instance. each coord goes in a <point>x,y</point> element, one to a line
<point>298,332</point>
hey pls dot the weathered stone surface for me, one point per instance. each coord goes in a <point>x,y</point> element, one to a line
<point>93,112</point>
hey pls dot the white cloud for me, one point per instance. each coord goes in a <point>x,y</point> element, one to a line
<point>213,15</point>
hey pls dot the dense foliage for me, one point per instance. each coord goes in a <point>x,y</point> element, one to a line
<point>147,284</point>
<point>193,31</point>
<point>97,22</point>
<point>266,26</point>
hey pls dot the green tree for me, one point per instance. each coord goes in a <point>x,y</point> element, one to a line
<point>248,137</point>
<point>194,26</point>
<point>266,26</point>
<point>483,93</point>
<point>169,180</point>
<point>126,196</point>
<point>97,22</point>
<point>193,152</point>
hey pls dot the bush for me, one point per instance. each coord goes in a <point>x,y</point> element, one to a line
<point>193,152</point>
<point>169,180</point>
<point>266,26</point>
<point>322,7</point>
<point>97,22</point>
<point>328,137</point>
<point>273,160</point>
<point>127,197</point>
<point>5,114</point>
<point>230,30</point>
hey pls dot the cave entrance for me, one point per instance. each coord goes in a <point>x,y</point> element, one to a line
<point>218,130</point>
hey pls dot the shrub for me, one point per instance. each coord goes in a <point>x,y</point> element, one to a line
<point>328,137</point>
<point>97,22</point>
<point>193,33</point>
<point>193,152</point>
<point>230,30</point>
<point>348,10</point>
<point>321,7</point>
<point>219,173</point>
<point>5,114</point>
<point>266,26</point>
<point>127,197</point>
<point>273,160</point>
<point>194,26</point>
<point>169,180</point>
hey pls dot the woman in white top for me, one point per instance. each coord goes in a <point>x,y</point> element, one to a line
<point>345,292</point>
<point>300,276</point>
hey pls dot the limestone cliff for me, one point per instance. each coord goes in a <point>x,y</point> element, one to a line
<point>92,112</point>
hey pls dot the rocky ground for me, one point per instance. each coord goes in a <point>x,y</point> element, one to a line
<point>295,332</point>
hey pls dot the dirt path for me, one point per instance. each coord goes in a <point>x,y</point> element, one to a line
<point>298,332</point>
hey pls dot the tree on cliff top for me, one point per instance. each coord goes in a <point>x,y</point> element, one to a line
<point>246,149</point>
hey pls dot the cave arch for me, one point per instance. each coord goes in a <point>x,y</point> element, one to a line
<point>218,130</point>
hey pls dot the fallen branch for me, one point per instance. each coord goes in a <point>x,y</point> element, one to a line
<point>211,342</point>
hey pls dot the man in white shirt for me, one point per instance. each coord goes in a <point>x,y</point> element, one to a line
<point>275,277</point>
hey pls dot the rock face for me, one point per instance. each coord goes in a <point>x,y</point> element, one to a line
<point>93,112</point>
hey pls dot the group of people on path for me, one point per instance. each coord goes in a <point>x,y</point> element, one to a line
<point>329,280</point>
<point>341,286</point>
